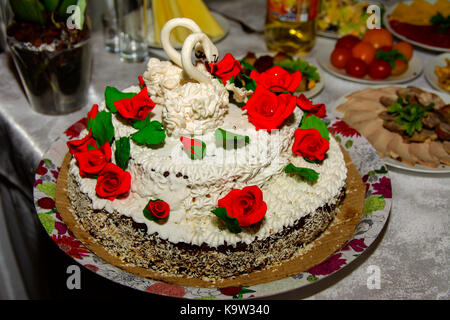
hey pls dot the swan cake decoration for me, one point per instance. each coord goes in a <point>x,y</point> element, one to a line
<point>172,177</point>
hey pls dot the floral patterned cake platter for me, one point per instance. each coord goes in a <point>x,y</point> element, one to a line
<point>375,213</point>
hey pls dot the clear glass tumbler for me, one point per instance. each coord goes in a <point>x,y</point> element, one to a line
<point>133,22</point>
<point>110,32</point>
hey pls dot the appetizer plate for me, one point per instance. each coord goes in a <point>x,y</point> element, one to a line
<point>331,110</point>
<point>378,202</point>
<point>429,72</point>
<point>415,68</point>
<point>328,34</point>
<point>309,93</point>
<point>221,20</point>
<point>386,15</point>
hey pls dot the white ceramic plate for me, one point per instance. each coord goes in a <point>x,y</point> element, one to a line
<point>415,68</point>
<point>221,20</point>
<point>331,110</point>
<point>429,73</point>
<point>371,224</point>
<point>419,44</point>
<point>308,94</point>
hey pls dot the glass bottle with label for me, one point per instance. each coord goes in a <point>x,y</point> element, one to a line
<point>291,25</point>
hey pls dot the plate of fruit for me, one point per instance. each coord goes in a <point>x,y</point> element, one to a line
<point>312,82</point>
<point>374,58</point>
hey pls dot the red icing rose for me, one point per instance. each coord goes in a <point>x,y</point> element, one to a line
<point>310,144</point>
<point>91,162</point>
<point>266,110</point>
<point>277,79</point>
<point>305,104</point>
<point>246,205</point>
<point>141,82</point>
<point>137,107</point>
<point>113,182</point>
<point>226,68</point>
<point>157,209</point>
<point>93,113</point>
<point>81,145</point>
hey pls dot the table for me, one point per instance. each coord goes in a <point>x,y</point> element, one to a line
<point>411,252</point>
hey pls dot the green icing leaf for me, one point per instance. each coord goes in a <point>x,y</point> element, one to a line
<point>232,223</point>
<point>247,65</point>
<point>231,140</point>
<point>47,221</point>
<point>48,188</point>
<point>151,134</point>
<point>372,204</point>
<point>314,122</point>
<point>306,173</point>
<point>112,95</point>
<point>102,128</point>
<point>246,290</point>
<point>195,149</point>
<point>122,153</point>
<point>244,81</point>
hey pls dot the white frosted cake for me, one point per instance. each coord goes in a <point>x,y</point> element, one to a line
<point>174,178</point>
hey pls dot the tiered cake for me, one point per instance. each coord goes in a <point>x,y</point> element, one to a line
<point>172,177</point>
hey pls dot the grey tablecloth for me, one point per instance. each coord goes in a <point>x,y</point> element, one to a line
<point>411,252</point>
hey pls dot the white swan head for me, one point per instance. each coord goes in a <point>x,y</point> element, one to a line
<point>209,49</point>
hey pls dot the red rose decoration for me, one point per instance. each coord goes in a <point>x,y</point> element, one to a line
<point>156,210</point>
<point>93,113</point>
<point>137,107</point>
<point>226,68</point>
<point>81,145</point>
<point>266,110</point>
<point>91,162</point>
<point>141,82</point>
<point>246,205</point>
<point>113,182</point>
<point>277,79</point>
<point>310,144</point>
<point>305,104</point>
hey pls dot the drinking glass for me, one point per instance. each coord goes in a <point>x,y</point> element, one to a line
<point>110,31</point>
<point>133,24</point>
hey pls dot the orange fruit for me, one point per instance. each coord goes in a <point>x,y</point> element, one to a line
<point>404,48</point>
<point>400,67</point>
<point>378,38</point>
<point>364,51</point>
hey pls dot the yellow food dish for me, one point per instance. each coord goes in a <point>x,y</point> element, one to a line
<point>343,17</point>
<point>443,74</point>
<point>419,12</point>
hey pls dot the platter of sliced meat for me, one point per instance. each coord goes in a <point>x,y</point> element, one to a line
<point>408,126</point>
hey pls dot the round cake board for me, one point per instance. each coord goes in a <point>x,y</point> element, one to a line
<point>332,239</point>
